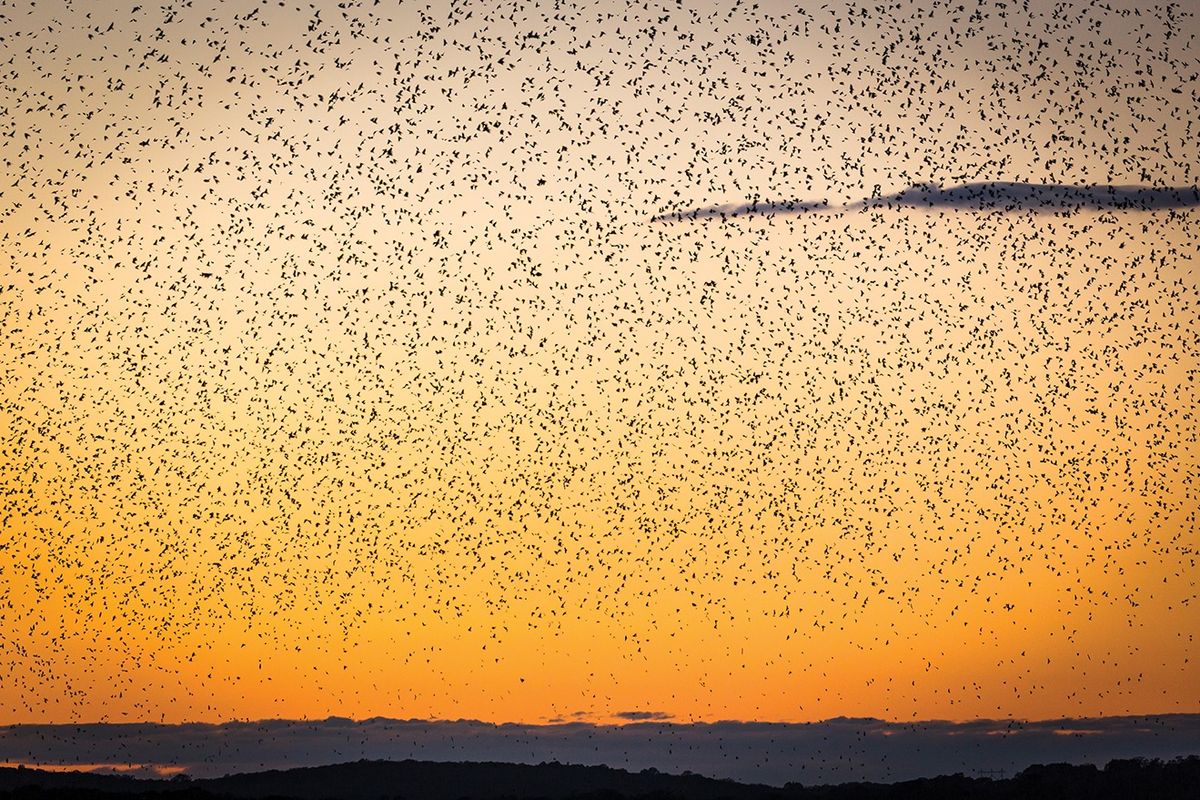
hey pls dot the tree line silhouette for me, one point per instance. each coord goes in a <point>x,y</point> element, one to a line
<point>1124,779</point>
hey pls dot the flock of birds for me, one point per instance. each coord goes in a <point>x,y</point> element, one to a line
<point>376,338</point>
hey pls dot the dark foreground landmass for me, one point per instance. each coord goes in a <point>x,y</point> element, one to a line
<point>1127,779</point>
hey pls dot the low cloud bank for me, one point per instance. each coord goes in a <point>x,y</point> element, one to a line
<point>832,751</point>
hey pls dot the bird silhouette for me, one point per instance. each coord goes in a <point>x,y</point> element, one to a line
<point>462,360</point>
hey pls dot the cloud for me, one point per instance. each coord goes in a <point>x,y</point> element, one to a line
<point>986,196</point>
<point>834,751</point>
<point>638,716</point>
<point>746,209</point>
<point>1011,196</point>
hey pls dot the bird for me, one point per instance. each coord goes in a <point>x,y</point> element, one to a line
<point>711,361</point>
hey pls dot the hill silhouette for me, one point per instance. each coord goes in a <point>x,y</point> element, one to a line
<point>1127,779</point>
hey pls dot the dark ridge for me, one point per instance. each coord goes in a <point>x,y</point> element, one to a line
<point>1126,779</point>
<point>428,780</point>
<point>988,196</point>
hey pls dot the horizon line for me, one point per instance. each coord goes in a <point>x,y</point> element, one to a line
<point>617,722</point>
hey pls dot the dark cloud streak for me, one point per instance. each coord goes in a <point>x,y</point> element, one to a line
<point>642,716</point>
<point>986,196</point>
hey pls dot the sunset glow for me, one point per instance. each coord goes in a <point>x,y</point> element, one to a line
<point>348,371</point>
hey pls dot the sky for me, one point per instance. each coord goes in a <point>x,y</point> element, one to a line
<point>353,364</point>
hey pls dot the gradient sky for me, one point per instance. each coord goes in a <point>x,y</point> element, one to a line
<point>346,372</point>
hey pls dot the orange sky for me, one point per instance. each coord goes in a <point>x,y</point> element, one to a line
<point>344,372</point>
